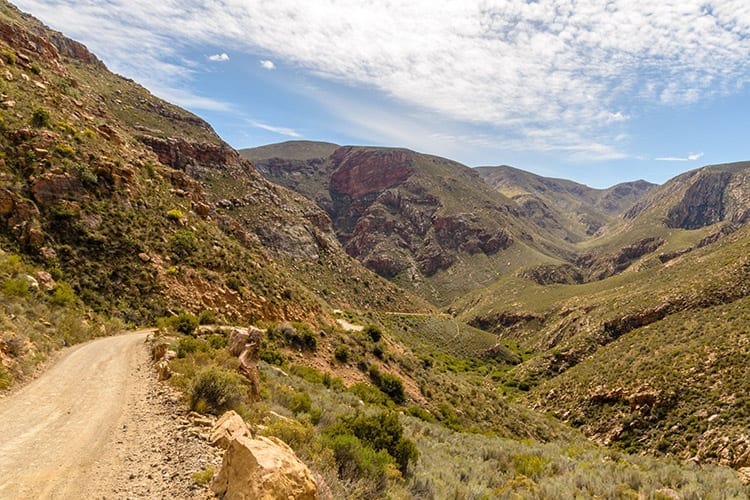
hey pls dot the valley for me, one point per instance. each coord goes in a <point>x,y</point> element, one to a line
<point>424,329</point>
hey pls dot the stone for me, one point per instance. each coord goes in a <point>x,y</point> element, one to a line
<point>237,340</point>
<point>744,474</point>
<point>229,426</point>
<point>249,363</point>
<point>45,280</point>
<point>159,350</point>
<point>163,370</point>
<point>264,469</point>
<point>144,257</point>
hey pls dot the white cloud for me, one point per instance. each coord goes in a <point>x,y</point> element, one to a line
<point>689,157</point>
<point>578,70</point>
<point>289,132</point>
<point>266,64</point>
<point>219,57</point>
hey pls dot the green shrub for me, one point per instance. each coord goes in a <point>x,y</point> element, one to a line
<point>370,394</point>
<point>381,432</point>
<point>217,341</point>
<point>389,384</point>
<point>341,353</point>
<point>374,333</point>
<point>356,461</point>
<point>203,477</point>
<point>183,243</point>
<point>9,56</point>
<point>6,378</point>
<point>190,345</point>
<point>40,118</point>
<point>300,403</point>
<point>215,390</point>
<point>175,214</point>
<point>16,287</point>
<point>183,323</point>
<point>206,317</point>
<point>62,294</point>
<point>312,375</point>
<point>272,356</point>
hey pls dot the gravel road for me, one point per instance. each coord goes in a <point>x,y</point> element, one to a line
<point>97,424</point>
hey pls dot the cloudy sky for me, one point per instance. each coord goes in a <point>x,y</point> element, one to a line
<point>596,91</point>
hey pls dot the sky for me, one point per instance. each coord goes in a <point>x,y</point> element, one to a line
<point>597,91</point>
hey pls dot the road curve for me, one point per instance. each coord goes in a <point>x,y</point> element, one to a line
<point>55,431</point>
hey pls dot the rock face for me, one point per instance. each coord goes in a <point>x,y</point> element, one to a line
<point>229,426</point>
<point>702,203</point>
<point>263,468</point>
<point>245,343</point>
<point>395,210</point>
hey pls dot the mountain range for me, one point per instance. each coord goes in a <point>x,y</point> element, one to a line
<point>502,303</point>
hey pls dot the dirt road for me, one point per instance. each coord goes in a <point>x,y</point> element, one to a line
<point>97,424</point>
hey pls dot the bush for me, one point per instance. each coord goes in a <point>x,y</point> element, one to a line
<point>341,353</point>
<point>272,356</point>
<point>64,150</point>
<point>184,323</point>
<point>63,294</point>
<point>183,243</point>
<point>16,287</point>
<point>370,394</point>
<point>215,390</point>
<point>356,461</point>
<point>190,345</point>
<point>381,432</point>
<point>301,403</point>
<point>175,214</point>
<point>389,384</point>
<point>374,333</point>
<point>40,118</point>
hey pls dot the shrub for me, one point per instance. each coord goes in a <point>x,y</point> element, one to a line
<point>190,345</point>
<point>389,384</point>
<point>217,341</point>
<point>175,214</point>
<point>16,287</point>
<point>215,390</point>
<point>341,353</point>
<point>206,317</point>
<point>307,373</point>
<point>356,461</point>
<point>183,243</point>
<point>40,118</point>
<point>374,333</point>
<point>381,432</point>
<point>301,403</point>
<point>272,356</point>
<point>184,323</point>
<point>369,394</point>
<point>63,294</point>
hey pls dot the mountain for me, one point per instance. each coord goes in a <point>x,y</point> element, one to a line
<point>574,212</point>
<point>142,207</point>
<point>118,208</point>
<point>416,219</point>
<point>644,358</point>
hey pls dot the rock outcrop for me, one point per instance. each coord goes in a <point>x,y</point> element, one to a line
<point>263,468</point>
<point>229,426</point>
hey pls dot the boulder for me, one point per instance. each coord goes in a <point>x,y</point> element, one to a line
<point>229,426</point>
<point>263,468</point>
<point>163,370</point>
<point>159,350</point>
<point>249,363</point>
<point>45,280</point>
<point>237,339</point>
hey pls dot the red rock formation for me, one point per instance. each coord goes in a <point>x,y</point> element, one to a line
<point>362,172</point>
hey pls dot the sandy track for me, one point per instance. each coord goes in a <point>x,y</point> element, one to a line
<point>97,424</point>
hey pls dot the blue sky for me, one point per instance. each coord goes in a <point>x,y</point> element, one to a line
<point>598,92</point>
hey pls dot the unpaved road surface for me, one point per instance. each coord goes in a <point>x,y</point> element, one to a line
<point>98,425</point>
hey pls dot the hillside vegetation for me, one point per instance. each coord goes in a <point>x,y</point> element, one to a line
<point>119,210</point>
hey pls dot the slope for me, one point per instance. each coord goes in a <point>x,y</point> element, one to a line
<point>574,212</point>
<point>99,187</point>
<point>416,219</point>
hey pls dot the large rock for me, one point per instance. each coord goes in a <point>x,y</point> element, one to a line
<point>228,427</point>
<point>263,468</point>
<point>249,363</point>
<point>237,339</point>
